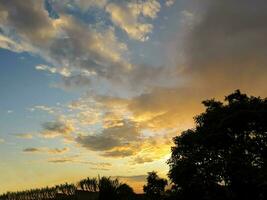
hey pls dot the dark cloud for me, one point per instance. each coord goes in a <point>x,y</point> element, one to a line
<point>58,151</point>
<point>232,32</point>
<point>60,160</point>
<point>145,77</point>
<point>31,150</point>
<point>28,19</point>
<point>118,136</point>
<point>57,128</point>
<point>46,150</point>
<point>99,169</point>
<point>227,46</point>
<point>225,50</point>
<point>98,142</point>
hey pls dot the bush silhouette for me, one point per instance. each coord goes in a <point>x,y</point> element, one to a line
<point>224,156</point>
<point>125,192</point>
<point>155,187</point>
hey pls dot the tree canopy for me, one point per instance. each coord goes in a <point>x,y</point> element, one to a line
<point>224,156</point>
<point>155,186</point>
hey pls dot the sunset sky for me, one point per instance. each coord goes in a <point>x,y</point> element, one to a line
<point>100,87</point>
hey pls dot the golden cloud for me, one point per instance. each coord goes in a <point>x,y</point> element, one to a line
<point>126,17</point>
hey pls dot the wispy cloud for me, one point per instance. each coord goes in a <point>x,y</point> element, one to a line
<point>24,135</point>
<point>70,159</point>
<point>62,71</point>
<point>76,159</point>
<point>43,108</point>
<point>46,150</point>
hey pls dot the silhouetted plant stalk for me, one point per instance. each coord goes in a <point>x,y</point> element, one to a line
<point>66,189</point>
<point>88,184</point>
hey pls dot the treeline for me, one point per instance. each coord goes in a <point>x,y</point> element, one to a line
<point>92,188</point>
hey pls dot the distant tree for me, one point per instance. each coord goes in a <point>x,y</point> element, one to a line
<point>81,185</point>
<point>108,188</point>
<point>125,192</point>
<point>155,187</point>
<point>66,189</point>
<point>224,156</point>
<point>88,184</point>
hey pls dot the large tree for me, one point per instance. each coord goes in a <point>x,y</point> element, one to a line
<point>224,156</point>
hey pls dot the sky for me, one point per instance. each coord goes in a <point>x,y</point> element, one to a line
<point>100,87</point>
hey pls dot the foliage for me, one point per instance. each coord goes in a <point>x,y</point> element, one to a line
<point>224,157</point>
<point>88,184</point>
<point>125,192</point>
<point>66,189</point>
<point>107,188</point>
<point>155,186</point>
<point>34,194</point>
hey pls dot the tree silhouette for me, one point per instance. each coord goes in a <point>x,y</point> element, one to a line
<point>88,184</point>
<point>224,156</point>
<point>66,189</point>
<point>125,192</point>
<point>108,188</point>
<point>155,186</point>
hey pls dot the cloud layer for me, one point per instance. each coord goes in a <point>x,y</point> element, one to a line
<point>133,110</point>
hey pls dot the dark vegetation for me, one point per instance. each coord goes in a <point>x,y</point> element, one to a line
<point>223,157</point>
<point>86,189</point>
<point>155,188</point>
